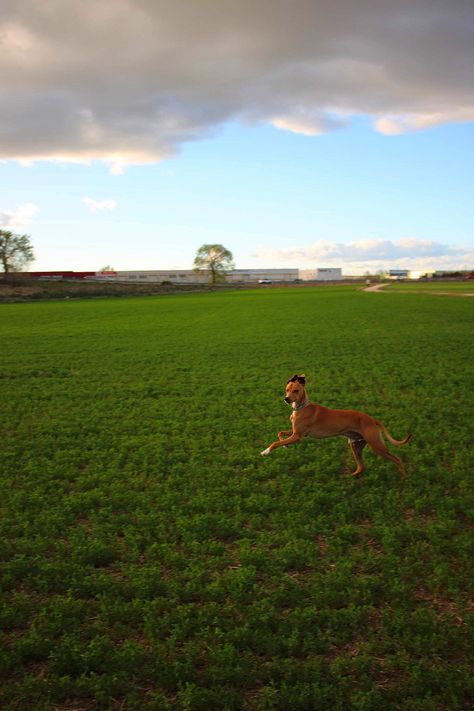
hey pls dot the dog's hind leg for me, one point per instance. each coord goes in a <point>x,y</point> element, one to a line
<point>356,447</point>
<point>376,443</point>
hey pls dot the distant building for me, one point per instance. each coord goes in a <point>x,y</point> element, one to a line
<point>176,276</point>
<point>189,276</point>
<point>409,273</point>
<point>245,276</point>
<point>398,274</point>
<point>58,276</point>
<point>321,274</point>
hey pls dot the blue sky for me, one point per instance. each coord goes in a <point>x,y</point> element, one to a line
<point>384,180</point>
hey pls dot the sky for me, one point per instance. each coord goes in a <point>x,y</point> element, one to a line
<point>297,133</point>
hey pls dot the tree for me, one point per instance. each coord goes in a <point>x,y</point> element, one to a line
<point>215,259</point>
<point>16,251</point>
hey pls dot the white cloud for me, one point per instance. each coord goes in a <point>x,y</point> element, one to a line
<point>372,254</point>
<point>309,122</point>
<point>130,82</point>
<point>21,217</point>
<point>391,125</point>
<point>96,205</point>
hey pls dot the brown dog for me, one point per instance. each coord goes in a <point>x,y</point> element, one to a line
<point>311,420</point>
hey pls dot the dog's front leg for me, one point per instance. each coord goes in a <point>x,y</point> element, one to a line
<point>284,433</point>
<point>282,443</point>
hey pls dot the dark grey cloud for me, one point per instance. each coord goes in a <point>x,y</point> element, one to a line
<point>131,80</point>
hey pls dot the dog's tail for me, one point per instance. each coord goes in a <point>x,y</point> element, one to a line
<point>396,442</point>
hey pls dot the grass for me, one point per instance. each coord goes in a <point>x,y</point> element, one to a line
<point>463,287</point>
<point>151,559</point>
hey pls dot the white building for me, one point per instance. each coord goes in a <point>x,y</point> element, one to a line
<point>321,274</point>
<point>398,274</point>
<point>247,276</point>
<point>176,276</point>
<point>234,276</point>
<point>189,276</point>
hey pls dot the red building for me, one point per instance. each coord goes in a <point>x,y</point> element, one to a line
<point>60,275</point>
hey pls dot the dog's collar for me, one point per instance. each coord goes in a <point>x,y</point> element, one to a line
<point>300,407</point>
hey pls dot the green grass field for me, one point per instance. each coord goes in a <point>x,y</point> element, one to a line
<point>152,559</point>
<point>455,287</point>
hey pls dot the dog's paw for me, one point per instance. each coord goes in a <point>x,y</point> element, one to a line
<point>265,452</point>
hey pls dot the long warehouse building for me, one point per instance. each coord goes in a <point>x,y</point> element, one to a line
<point>190,276</point>
<point>235,276</point>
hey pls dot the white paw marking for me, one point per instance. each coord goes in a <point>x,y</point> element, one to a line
<point>265,452</point>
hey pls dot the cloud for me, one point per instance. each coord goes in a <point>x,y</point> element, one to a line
<point>392,125</point>
<point>130,81</point>
<point>309,122</point>
<point>21,217</point>
<point>96,205</point>
<point>372,254</point>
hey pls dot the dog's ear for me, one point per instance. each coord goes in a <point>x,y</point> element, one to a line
<point>293,379</point>
<point>302,379</point>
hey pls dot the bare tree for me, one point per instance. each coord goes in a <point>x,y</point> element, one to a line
<point>214,259</point>
<point>16,251</point>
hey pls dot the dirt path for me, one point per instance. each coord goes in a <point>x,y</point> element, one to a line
<point>375,287</point>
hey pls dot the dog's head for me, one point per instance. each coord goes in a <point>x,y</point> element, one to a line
<point>295,388</point>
